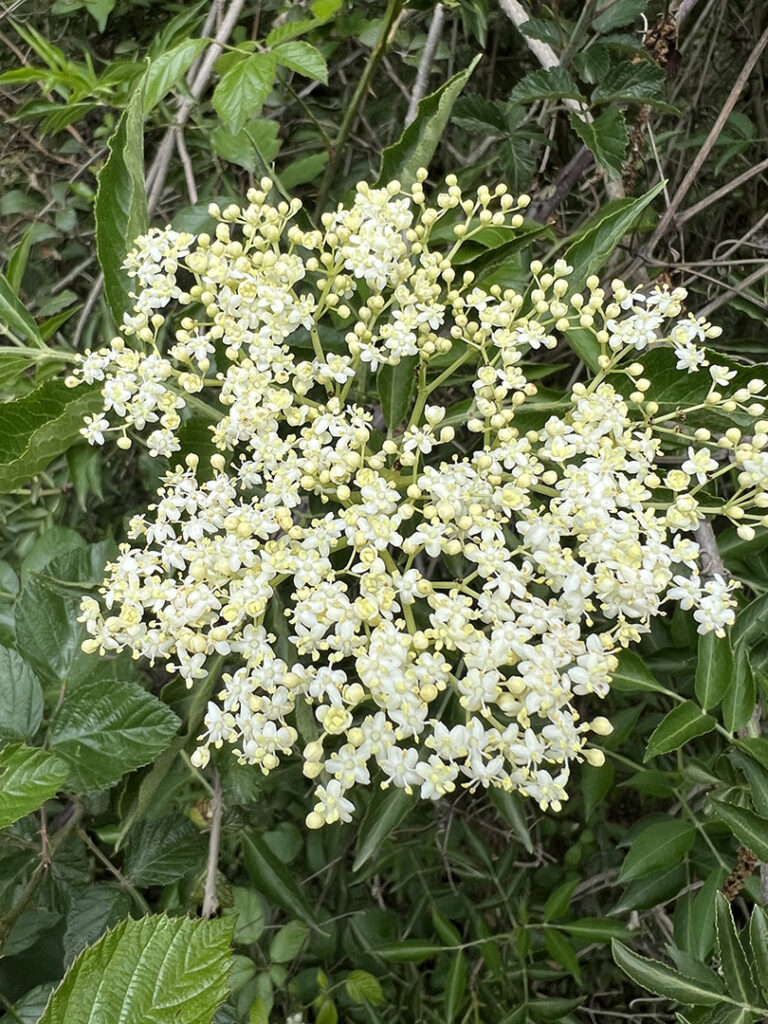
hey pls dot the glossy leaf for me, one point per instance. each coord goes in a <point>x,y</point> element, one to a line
<point>632,674</point>
<point>103,731</point>
<point>160,969</point>
<point>737,973</point>
<point>302,57</point>
<point>739,701</point>
<point>121,204</point>
<point>418,142</point>
<point>21,697</point>
<point>167,69</point>
<point>243,88</point>
<point>714,669</point>
<point>28,777</point>
<point>363,987</point>
<point>683,723</point>
<point>663,981</point>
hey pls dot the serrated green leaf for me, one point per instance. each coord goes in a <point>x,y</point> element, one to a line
<point>663,981</point>
<point>363,987</point>
<point>546,84</point>
<point>163,850</point>
<point>14,316</point>
<point>418,142</point>
<point>714,669</point>
<point>396,385</point>
<point>758,940</point>
<point>683,723</point>
<point>101,906</point>
<point>659,844</point>
<point>121,203</point>
<point>748,827</point>
<point>302,57</point>
<point>616,13</point>
<point>159,969</point>
<point>28,777</point>
<point>272,878</point>
<point>21,697</point>
<point>168,68</point>
<point>739,982</point>
<point>606,137</point>
<point>384,813</point>
<point>242,90</point>
<point>104,730</point>
<point>632,674</point>
<point>739,700</point>
<point>38,427</point>
<point>632,83</point>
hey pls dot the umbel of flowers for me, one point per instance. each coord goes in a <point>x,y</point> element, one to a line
<point>455,588</point>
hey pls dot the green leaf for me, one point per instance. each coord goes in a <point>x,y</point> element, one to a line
<point>455,987</point>
<point>419,141</point>
<point>104,730</point>
<point>682,724</point>
<point>275,881</point>
<point>121,204</point>
<point>606,137</point>
<point>656,846</point>
<point>714,669</point>
<point>99,907</point>
<point>237,147</point>
<point>166,70</point>
<point>162,851</point>
<point>590,251</point>
<point>298,172</point>
<point>363,987</point>
<point>396,385</point>
<point>595,929</point>
<point>560,900</point>
<point>663,981</point>
<point>750,622</point>
<point>159,969</point>
<point>28,777</point>
<point>739,982</point>
<point>511,808</point>
<point>616,13</point>
<point>546,84</point>
<point>38,427</point>
<point>408,951</point>
<point>21,697</point>
<point>287,943</point>
<point>13,315</point>
<point>632,675</point>
<point>384,813</point>
<point>302,57</point>
<point>739,701</point>
<point>560,949</point>
<point>17,264</point>
<point>749,828</point>
<point>242,90</point>
<point>632,83</point>
<point>251,919</point>
<point>758,940</point>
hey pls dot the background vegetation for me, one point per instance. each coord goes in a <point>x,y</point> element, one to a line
<point>479,909</point>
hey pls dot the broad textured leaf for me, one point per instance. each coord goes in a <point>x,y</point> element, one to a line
<point>737,973</point>
<point>632,674</point>
<point>419,141</point>
<point>384,813</point>
<point>739,700</point>
<point>163,850</point>
<point>121,204</point>
<point>714,669</point>
<point>606,137</point>
<point>363,987</point>
<point>479,114</point>
<point>594,245</point>
<point>21,697</point>
<point>748,827</point>
<point>167,69</point>
<point>396,385</point>
<point>243,88</point>
<point>14,316</point>
<point>546,84</point>
<point>632,83</point>
<point>303,58</point>
<point>104,730</point>
<point>682,724</point>
<point>272,878</point>
<point>101,906</point>
<point>28,777</point>
<point>663,981</point>
<point>660,844</point>
<point>616,13</point>
<point>38,427</point>
<point>158,969</point>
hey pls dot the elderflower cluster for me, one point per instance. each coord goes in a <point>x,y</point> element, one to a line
<point>414,566</point>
